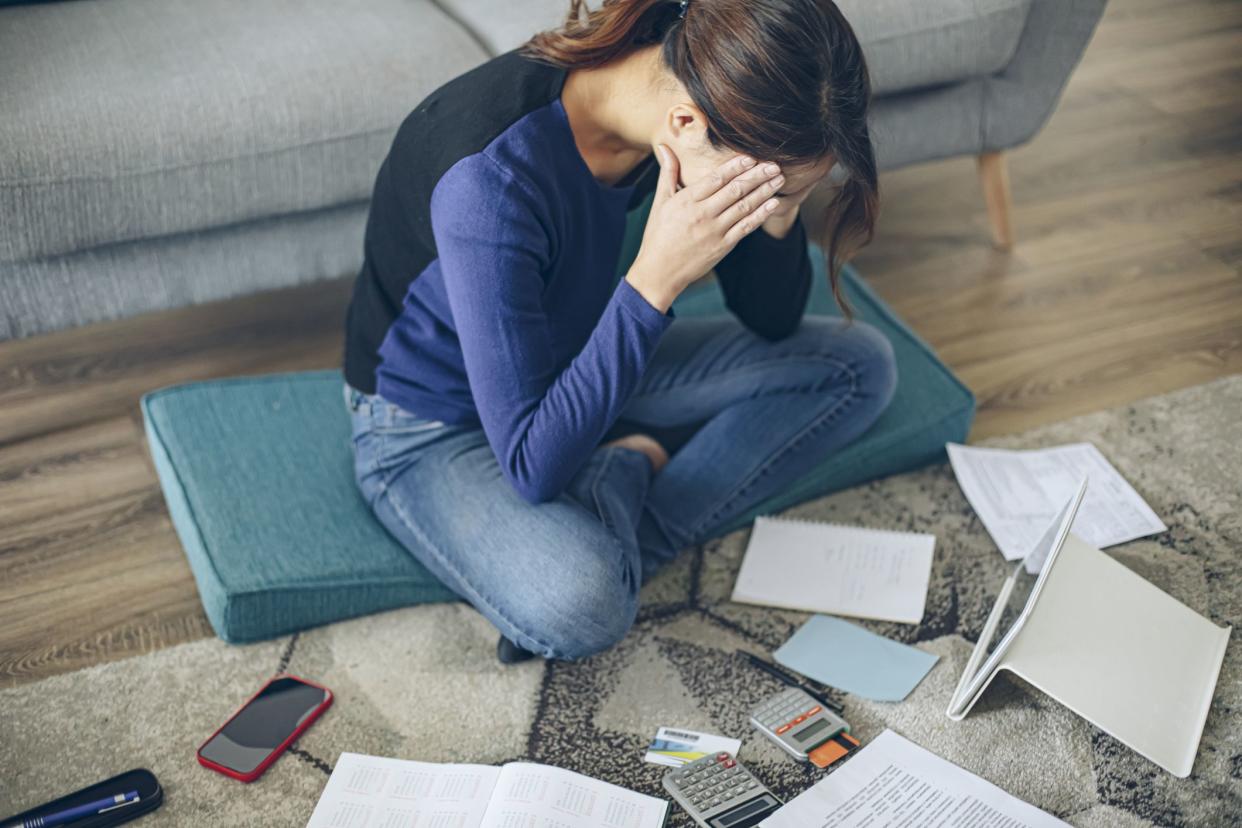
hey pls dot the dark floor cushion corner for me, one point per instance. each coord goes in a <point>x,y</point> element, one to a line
<point>258,476</point>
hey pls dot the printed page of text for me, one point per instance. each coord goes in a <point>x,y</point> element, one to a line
<point>1017,493</point>
<point>894,783</point>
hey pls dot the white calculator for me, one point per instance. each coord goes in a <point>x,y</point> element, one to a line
<point>719,793</point>
<point>803,728</point>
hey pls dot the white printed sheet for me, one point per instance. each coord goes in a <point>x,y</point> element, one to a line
<point>1017,493</point>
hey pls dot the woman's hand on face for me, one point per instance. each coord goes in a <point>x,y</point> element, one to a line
<point>690,230</point>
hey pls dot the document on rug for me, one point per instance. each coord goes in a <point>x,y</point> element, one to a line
<point>841,570</point>
<point>893,782</point>
<point>376,792</point>
<point>540,796</point>
<point>365,791</point>
<point>1016,494</point>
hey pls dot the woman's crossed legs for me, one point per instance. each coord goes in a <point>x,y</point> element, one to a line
<point>561,578</point>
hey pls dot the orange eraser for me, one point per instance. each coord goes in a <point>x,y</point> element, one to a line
<point>827,753</point>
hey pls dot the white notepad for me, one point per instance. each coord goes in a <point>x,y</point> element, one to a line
<point>838,570</point>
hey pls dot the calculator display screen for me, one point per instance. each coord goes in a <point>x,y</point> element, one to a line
<point>747,815</point>
<point>804,735</point>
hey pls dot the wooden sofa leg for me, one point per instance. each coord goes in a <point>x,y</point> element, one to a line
<point>994,176</point>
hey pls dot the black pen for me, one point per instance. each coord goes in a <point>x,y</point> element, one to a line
<point>787,678</point>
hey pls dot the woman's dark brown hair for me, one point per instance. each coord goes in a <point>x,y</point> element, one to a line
<point>780,80</point>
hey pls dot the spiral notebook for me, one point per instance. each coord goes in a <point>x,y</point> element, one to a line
<point>838,570</point>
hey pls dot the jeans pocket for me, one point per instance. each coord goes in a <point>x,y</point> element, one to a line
<point>407,424</point>
<point>390,418</point>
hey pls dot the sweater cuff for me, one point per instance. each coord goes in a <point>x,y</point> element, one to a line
<point>642,310</point>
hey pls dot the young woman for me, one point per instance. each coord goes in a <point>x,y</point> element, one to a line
<point>538,429</point>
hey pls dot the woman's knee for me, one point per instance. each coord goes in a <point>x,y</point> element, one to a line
<point>862,350</point>
<point>876,363</point>
<point>580,600</point>
<point>576,617</point>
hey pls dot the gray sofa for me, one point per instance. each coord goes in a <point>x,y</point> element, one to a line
<point>159,153</point>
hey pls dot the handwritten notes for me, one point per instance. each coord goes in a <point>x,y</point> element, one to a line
<point>842,570</point>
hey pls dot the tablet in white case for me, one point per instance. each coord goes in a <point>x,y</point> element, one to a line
<point>1107,644</point>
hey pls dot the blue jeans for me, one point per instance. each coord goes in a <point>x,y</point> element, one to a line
<point>562,578</point>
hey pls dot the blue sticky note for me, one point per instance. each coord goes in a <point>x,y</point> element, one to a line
<point>850,658</point>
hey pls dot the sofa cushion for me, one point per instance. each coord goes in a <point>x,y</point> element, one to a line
<point>258,476</point>
<point>908,43</point>
<point>131,119</point>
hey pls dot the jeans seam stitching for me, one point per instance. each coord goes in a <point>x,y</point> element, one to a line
<point>749,480</point>
<point>815,356</point>
<point>599,475</point>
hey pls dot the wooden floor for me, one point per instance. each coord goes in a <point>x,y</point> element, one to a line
<point>1126,281</point>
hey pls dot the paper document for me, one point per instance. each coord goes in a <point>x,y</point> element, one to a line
<point>893,782</point>
<point>374,792</point>
<point>1016,494</point>
<point>849,658</point>
<point>370,790</point>
<point>842,570</point>
<point>674,746</point>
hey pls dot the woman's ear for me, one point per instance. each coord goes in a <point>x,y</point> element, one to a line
<point>686,124</point>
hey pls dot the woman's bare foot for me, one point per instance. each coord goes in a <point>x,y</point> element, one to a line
<point>641,442</point>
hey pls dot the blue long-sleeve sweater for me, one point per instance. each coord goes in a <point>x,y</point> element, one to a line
<point>489,292</point>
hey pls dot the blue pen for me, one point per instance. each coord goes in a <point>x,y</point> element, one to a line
<point>80,811</point>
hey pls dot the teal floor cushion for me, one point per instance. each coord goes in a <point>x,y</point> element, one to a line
<point>258,477</point>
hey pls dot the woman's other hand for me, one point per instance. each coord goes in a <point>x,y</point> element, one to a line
<point>781,221</point>
<point>691,229</point>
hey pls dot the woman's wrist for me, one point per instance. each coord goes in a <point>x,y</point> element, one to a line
<point>779,226</point>
<point>658,292</point>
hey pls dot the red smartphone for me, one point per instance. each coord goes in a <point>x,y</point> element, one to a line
<point>263,727</point>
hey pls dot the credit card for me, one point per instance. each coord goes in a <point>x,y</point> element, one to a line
<point>675,747</point>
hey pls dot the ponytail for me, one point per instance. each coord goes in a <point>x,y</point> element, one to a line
<point>593,38</point>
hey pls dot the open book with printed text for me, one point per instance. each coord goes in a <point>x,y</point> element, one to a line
<point>374,792</point>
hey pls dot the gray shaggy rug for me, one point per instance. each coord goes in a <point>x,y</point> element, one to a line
<point>423,683</point>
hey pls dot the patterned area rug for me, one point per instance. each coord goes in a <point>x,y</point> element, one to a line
<point>423,683</point>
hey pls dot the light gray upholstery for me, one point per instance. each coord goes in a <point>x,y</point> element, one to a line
<point>908,43</point>
<point>156,153</point>
<point>128,278</point>
<point>134,119</point>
